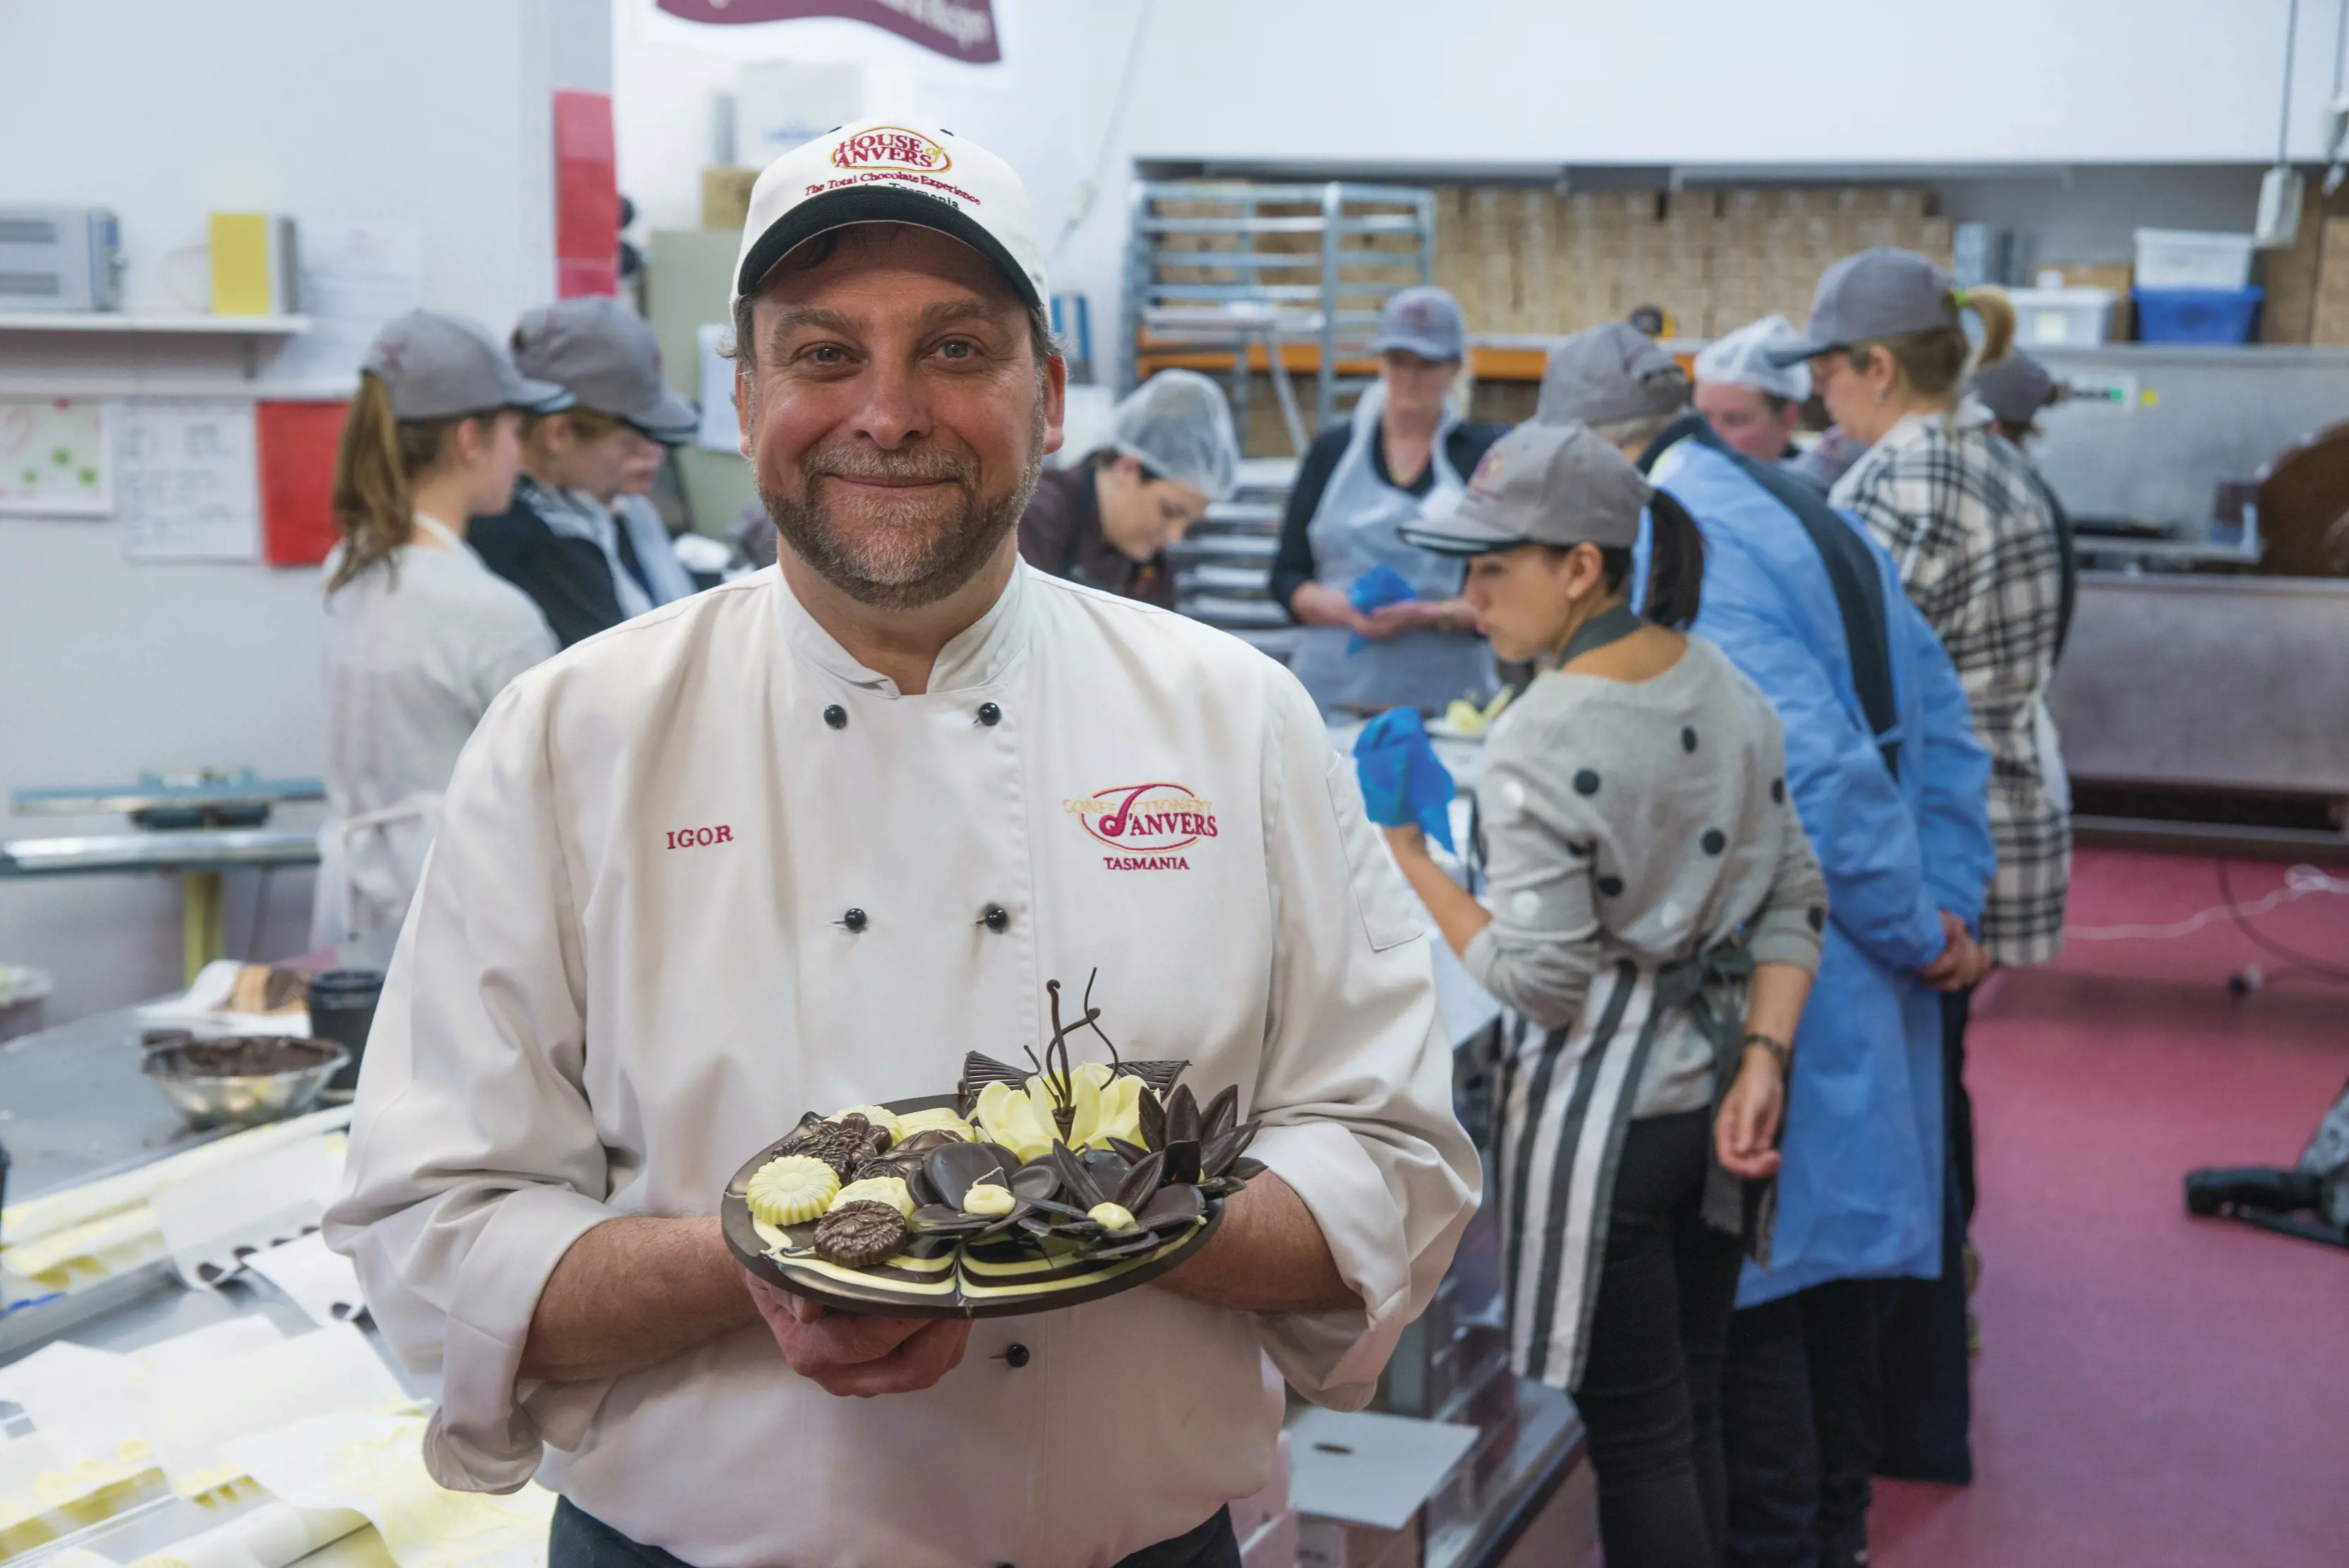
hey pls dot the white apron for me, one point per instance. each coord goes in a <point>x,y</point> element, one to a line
<point>368,867</point>
<point>1358,527</point>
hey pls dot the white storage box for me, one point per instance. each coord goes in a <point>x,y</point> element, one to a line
<point>2061,317</point>
<point>2192,258</point>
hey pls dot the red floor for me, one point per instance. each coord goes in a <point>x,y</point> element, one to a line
<point>2153,1390</point>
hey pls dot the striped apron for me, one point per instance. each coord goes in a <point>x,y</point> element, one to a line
<point>1567,1098</point>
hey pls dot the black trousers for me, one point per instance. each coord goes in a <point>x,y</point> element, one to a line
<point>1928,1398</point>
<point>580,1540</point>
<point>1650,1390</point>
<point>1799,1416</point>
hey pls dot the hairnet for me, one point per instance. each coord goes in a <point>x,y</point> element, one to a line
<point>1178,425</point>
<point>1742,359</point>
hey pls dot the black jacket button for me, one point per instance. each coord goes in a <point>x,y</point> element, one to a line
<point>1016,1355</point>
<point>988,713</point>
<point>836,716</point>
<point>853,919</point>
<point>996,918</point>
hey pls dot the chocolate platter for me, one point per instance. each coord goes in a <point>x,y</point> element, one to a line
<point>1020,1192</point>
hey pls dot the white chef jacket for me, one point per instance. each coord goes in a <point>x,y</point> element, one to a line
<point>627,970</point>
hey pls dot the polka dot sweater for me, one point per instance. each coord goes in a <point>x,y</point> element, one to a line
<point>1647,820</point>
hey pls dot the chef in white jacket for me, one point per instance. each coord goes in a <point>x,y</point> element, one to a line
<point>800,842</point>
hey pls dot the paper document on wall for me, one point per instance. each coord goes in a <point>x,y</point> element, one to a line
<point>189,490</point>
<point>355,277</point>
<point>720,430</point>
<point>56,457</point>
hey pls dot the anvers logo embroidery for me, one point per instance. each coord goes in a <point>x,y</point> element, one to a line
<point>892,147</point>
<point>1147,825</point>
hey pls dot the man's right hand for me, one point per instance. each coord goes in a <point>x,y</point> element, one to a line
<point>1961,962</point>
<point>849,1354</point>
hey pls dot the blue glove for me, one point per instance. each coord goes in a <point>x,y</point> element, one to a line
<point>1374,590</point>
<point>1402,782</point>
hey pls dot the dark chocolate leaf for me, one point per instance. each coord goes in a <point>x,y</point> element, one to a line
<point>1217,1154</point>
<point>1182,1161</point>
<point>1244,1168</point>
<point>1221,1114</point>
<point>1075,1180</point>
<point>1169,1207</point>
<point>1037,1179</point>
<point>1159,1075</point>
<point>944,1217</point>
<point>1141,1181</point>
<point>1153,1120</point>
<point>954,1165</point>
<point>1134,1153</point>
<point>1107,1168</point>
<point>979,1070</point>
<point>1181,1115</point>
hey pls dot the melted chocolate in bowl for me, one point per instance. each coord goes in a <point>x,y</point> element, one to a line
<point>240,1056</point>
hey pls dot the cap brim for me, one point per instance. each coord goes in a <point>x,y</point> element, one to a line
<point>672,422</point>
<point>1795,353</point>
<point>1462,533</point>
<point>540,397</point>
<point>1433,353</point>
<point>876,204</point>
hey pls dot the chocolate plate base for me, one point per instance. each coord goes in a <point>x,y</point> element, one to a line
<point>986,1282</point>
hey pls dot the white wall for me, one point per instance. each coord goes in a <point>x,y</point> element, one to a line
<point>435,112</point>
<point>1490,85</point>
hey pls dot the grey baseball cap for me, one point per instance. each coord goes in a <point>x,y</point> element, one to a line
<point>604,355</point>
<point>1610,373</point>
<point>436,367</point>
<point>1425,321</point>
<point>1875,292</point>
<point>1542,484</point>
<point>2015,389</point>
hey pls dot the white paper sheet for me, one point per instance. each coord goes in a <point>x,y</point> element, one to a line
<point>374,1465</point>
<point>191,1418</point>
<point>322,1284</point>
<point>720,430</point>
<point>213,1221</point>
<point>189,489</point>
<point>355,277</point>
<point>56,457</point>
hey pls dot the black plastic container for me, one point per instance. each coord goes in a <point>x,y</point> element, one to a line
<point>342,1009</point>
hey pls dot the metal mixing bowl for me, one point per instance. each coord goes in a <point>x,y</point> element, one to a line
<point>211,1100</point>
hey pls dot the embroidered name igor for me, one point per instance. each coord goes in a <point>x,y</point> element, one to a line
<point>693,837</point>
<point>1148,822</point>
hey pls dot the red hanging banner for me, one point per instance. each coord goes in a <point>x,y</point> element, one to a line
<point>296,443</point>
<point>959,29</point>
<point>586,196</point>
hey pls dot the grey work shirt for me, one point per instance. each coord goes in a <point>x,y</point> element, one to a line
<point>1647,820</point>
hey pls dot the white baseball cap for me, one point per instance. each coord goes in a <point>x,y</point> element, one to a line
<point>891,171</point>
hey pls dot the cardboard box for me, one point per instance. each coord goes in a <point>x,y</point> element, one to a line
<point>726,197</point>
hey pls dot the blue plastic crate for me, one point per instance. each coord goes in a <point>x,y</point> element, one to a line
<point>2196,315</point>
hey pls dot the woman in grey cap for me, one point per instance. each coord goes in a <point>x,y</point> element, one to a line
<point>1402,452</point>
<point>1107,519</point>
<point>419,634</point>
<point>1655,921</point>
<point>1979,556</point>
<point>580,538</point>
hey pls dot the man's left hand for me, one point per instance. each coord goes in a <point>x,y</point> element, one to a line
<point>850,1354</point>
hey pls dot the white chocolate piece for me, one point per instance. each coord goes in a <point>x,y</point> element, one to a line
<point>1111,1218</point>
<point>792,1190</point>
<point>988,1198</point>
<point>889,1190</point>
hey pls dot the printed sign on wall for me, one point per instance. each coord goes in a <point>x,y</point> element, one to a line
<point>56,458</point>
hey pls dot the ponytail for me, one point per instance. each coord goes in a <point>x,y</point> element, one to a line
<point>1675,563</point>
<point>1996,312</point>
<point>376,465</point>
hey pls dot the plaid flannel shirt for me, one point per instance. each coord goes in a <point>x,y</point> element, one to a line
<point>1955,505</point>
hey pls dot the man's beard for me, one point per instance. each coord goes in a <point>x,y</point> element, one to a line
<point>901,557</point>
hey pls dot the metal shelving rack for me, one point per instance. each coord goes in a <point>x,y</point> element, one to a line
<point>1220,271</point>
<point>1269,265</point>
